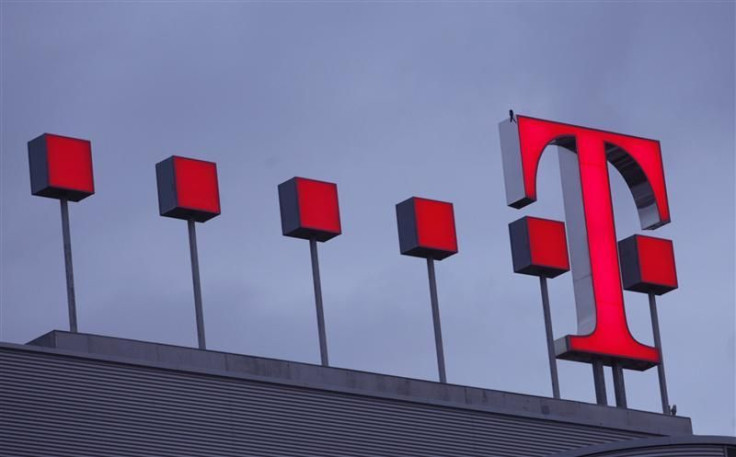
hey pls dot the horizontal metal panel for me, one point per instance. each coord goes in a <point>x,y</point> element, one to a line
<point>668,446</point>
<point>680,451</point>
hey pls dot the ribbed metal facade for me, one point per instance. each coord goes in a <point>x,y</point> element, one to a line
<point>680,446</point>
<point>61,403</point>
<point>682,451</point>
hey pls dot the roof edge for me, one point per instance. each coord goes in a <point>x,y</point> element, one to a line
<point>348,381</point>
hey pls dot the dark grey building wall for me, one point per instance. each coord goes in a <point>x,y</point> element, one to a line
<point>84,395</point>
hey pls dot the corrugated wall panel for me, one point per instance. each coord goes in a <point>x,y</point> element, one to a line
<point>62,406</point>
<point>680,451</point>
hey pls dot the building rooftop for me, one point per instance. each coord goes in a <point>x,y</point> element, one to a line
<point>289,373</point>
<point>79,394</point>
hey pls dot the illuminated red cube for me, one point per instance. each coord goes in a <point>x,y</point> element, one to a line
<point>647,264</point>
<point>539,247</point>
<point>61,167</point>
<point>188,189</point>
<point>426,228</point>
<point>309,209</point>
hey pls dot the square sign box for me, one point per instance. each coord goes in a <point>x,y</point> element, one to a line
<point>647,264</point>
<point>309,209</point>
<point>539,247</point>
<point>61,167</point>
<point>188,189</point>
<point>426,228</point>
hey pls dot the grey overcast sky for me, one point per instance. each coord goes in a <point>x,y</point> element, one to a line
<point>389,100</point>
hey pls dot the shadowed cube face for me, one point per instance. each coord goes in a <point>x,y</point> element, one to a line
<point>309,209</point>
<point>426,228</point>
<point>188,189</point>
<point>61,167</point>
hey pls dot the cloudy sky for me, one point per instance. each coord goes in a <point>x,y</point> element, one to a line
<point>389,100</point>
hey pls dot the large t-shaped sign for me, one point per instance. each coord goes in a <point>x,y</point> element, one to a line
<point>584,153</point>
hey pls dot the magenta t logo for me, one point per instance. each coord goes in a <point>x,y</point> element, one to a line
<point>584,154</point>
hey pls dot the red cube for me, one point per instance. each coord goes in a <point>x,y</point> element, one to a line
<point>309,209</point>
<point>188,189</point>
<point>426,228</point>
<point>539,247</point>
<point>61,167</point>
<point>647,264</point>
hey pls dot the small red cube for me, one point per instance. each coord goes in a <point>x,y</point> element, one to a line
<point>647,264</point>
<point>426,228</point>
<point>61,167</point>
<point>539,247</point>
<point>309,209</point>
<point>188,189</point>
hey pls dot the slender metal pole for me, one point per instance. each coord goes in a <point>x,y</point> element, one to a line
<point>619,387</point>
<point>71,300</point>
<point>436,320</point>
<point>658,345</point>
<point>550,338</point>
<point>318,302</point>
<point>197,285</point>
<point>600,383</point>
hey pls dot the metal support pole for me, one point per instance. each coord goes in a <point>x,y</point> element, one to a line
<point>658,345</point>
<point>550,338</point>
<point>318,302</point>
<point>619,387</point>
<point>197,285</point>
<point>600,383</point>
<point>71,300</point>
<point>436,320</point>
